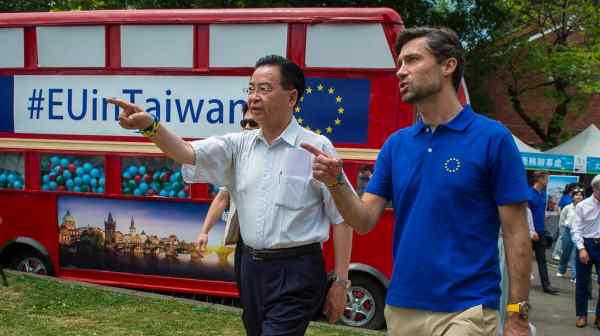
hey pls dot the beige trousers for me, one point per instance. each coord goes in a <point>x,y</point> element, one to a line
<point>475,321</point>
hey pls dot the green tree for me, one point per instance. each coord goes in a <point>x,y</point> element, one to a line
<point>554,47</point>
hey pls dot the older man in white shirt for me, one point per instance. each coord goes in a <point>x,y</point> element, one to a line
<point>284,213</point>
<point>586,235</point>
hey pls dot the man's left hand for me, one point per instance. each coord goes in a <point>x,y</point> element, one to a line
<point>516,326</point>
<point>335,302</point>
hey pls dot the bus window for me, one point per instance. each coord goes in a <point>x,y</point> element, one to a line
<point>71,47</point>
<point>152,176</point>
<point>13,40</point>
<point>227,37</point>
<point>348,46</point>
<point>12,171</point>
<point>72,173</point>
<point>153,45</point>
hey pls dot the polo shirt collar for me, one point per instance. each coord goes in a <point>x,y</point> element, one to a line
<point>459,123</point>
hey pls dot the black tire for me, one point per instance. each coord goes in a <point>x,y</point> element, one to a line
<point>366,302</point>
<point>30,262</point>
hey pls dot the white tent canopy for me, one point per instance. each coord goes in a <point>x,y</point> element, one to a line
<point>523,147</point>
<point>586,143</point>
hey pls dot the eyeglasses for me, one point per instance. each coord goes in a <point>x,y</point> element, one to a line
<point>261,90</point>
<point>248,122</point>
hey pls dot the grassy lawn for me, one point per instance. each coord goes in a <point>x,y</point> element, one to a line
<point>42,306</point>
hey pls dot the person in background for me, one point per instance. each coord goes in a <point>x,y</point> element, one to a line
<point>504,278</point>
<point>221,202</point>
<point>586,236</point>
<point>537,204</point>
<point>565,199</point>
<point>364,175</point>
<point>567,216</point>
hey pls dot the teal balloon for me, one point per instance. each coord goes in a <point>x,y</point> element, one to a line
<point>87,167</point>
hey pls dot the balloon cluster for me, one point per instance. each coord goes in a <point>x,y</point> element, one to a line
<point>63,173</point>
<point>11,179</point>
<point>138,180</point>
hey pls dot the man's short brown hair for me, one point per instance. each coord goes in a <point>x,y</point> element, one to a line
<point>442,42</point>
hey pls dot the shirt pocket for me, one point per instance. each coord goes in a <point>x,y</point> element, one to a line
<point>292,192</point>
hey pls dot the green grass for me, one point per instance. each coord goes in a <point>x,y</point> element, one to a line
<point>43,306</point>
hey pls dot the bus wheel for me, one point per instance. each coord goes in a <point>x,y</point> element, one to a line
<point>30,263</point>
<point>366,302</point>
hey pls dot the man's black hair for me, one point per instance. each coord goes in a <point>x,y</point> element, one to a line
<point>292,77</point>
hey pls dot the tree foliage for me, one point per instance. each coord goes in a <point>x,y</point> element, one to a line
<point>552,46</point>
<point>563,60</point>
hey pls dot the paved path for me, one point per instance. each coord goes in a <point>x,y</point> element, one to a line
<point>555,315</point>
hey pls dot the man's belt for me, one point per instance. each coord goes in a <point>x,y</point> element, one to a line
<point>283,253</point>
<point>592,240</point>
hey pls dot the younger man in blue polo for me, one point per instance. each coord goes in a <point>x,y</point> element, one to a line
<point>454,178</point>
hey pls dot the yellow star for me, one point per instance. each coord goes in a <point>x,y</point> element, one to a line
<point>309,90</point>
<point>302,98</point>
<point>320,87</point>
<point>338,99</point>
<point>307,127</point>
<point>331,90</point>
<point>297,109</point>
<point>337,121</point>
<point>341,110</point>
<point>329,129</point>
<point>300,120</point>
<point>318,131</point>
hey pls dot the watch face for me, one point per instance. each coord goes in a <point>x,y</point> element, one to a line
<point>524,309</point>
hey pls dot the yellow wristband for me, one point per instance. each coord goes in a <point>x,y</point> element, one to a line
<point>151,130</point>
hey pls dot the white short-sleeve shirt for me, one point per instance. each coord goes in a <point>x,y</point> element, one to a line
<point>275,210</point>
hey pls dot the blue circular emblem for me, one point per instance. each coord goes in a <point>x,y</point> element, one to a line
<point>452,165</point>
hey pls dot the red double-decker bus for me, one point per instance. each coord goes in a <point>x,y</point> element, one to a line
<point>83,199</point>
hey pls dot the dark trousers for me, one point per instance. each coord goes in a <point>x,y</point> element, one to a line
<point>237,262</point>
<point>539,248</point>
<point>280,296</point>
<point>584,272</point>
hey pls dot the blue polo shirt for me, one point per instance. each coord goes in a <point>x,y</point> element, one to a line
<point>445,187</point>
<point>537,205</point>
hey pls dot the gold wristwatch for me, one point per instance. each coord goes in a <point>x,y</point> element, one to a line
<point>521,308</point>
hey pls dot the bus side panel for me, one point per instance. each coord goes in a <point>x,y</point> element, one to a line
<point>152,282</point>
<point>145,237</point>
<point>32,216</point>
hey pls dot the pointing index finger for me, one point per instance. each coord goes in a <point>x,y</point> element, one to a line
<point>119,102</point>
<point>313,150</point>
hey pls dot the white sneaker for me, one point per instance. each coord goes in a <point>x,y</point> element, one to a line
<point>555,257</point>
<point>531,277</point>
<point>560,275</point>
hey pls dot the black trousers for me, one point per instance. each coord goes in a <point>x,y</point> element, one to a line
<point>539,248</point>
<point>584,273</point>
<point>237,262</point>
<point>281,296</point>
